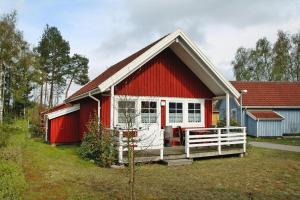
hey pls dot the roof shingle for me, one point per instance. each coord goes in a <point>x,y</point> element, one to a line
<point>266,115</point>
<point>269,93</point>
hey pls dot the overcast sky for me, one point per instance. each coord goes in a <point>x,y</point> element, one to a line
<point>107,31</point>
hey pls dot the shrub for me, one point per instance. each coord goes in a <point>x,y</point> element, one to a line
<point>233,122</point>
<point>98,144</point>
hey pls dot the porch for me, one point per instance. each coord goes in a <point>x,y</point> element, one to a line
<point>199,143</point>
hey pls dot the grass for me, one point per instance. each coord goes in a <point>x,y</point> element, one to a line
<point>59,173</point>
<point>295,141</point>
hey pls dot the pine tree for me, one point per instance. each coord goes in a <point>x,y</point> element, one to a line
<point>77,71</point>
<point>54,55</point>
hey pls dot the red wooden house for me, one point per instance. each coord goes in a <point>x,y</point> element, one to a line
<point>169,83</point>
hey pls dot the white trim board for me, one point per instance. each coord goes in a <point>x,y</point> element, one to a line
<point>63,111</point>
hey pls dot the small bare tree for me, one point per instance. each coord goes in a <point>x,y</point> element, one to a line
<point>129,116</point>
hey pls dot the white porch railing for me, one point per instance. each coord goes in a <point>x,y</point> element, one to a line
<point>194,137</point>
<point>205,137</point>
<point>122,143</point>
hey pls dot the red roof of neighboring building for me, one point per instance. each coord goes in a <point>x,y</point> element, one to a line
<point>265,115</point>
<point>111,71</point>
<point>269,93</point>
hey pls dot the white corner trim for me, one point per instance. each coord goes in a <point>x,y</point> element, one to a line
<point>251,115</point>
<point>62,112</point>
<point>156,49</point>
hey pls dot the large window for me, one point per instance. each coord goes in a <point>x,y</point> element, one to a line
<point>175,112</point>
<point>149,111</point>
<point>126,112</point>
<point>194,112</point>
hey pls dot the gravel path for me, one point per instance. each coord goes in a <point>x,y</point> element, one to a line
<point>269,145</point>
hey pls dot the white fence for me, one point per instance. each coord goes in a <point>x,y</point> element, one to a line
<point>205,137</point>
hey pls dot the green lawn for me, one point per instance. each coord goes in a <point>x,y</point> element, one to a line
<point>58,173</point>
<point>289,141</point>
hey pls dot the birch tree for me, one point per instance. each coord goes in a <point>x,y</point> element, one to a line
<point>282,58</point>
<point>14,55</point>
<point>296,56</point>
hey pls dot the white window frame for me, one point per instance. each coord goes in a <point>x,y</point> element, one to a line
<point>139,99</point>
<point>185,102</point>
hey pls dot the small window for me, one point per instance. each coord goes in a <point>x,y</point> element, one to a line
<point>126,112</point>
<point>175,112</point>
<point>194,112</point>
<point>149,112</point>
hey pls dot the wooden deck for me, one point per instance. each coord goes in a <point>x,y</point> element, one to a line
<point>178,152</point>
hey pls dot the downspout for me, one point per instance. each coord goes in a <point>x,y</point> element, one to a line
<point>112,102</point>
<point>99,106</point>
<point>46,127</point>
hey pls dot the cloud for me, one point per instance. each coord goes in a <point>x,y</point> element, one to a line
<point>108,31</point>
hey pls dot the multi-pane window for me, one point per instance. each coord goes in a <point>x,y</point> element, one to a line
<point>194,112</point>
<point>175,112</point>
<point>149,111</point>
<point>126,112</point>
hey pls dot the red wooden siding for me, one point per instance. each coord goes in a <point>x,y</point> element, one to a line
<point>64,129</point>
<point>88,107</point>
<point>164,75</point>
<point>208,113</point>
<point>105,111</point>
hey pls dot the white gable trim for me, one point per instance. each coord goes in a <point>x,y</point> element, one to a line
<point>63,112</point>
<point>156,49</point>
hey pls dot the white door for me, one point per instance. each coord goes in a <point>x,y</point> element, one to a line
<point>149,124</point>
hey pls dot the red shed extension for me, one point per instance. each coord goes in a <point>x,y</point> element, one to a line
<point>169,82</point>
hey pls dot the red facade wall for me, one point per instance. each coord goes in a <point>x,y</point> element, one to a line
<point>164,75</point>
<point>105,111</point>
<point>208,113</point>
<point>88,107</point>
<point>64,129</point>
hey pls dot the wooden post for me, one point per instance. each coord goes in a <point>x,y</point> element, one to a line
<point>227,110</point>
<point>120,147</point>
<point>187,141</point>
<point>244,134</point>
<point>161,145</point>
<point>219,141</point>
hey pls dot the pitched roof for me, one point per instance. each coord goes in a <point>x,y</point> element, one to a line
<point>93,84</point>
<point>265,115</point>
<point>269,94</point>
<point>182,46</point>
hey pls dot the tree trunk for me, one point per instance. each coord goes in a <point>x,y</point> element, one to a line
<point>46,93</point>
<point>1,96</point>
<point>68,88</point>
<point>51,94</point>
<point>41,96</point>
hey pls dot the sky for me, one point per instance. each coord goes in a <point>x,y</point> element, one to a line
<point>109,30</point>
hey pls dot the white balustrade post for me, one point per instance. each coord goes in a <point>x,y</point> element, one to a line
<point>161,145</point>
<point>187,143</point>
<point>245,142</point>
<point>120,146</point>
<point>219,141</point>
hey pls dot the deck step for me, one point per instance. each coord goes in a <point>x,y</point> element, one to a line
<point>178,162</point>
